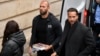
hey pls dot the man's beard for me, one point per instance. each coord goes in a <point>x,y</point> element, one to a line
<point>43,12</point>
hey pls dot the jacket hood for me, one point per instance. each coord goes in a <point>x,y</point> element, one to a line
<point>18,37</point>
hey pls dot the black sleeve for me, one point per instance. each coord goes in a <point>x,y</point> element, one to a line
<point>90,42</point>
<point>32,39</point>
<point>61,42</point>
<point>58,49</point>
<point>7,50</point>
<point>58,32</point>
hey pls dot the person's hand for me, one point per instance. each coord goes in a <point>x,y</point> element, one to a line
<point>30,51</point>
<point>48,47</point>
<point>54,54</point>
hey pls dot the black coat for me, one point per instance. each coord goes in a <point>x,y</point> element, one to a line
<point>53,34</point>
<point>14,46</point>
<point>91,13</point>
<point>76,41</point>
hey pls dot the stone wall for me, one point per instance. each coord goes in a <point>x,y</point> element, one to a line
<point>23,11</point>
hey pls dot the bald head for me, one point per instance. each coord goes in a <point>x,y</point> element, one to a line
<point>44,7</point>
<point>46,2</point>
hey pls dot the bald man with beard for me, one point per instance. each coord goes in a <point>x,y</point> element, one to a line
<point>46,29</point>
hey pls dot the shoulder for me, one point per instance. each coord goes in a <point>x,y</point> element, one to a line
<point>11,44</point>
<point>84,28</point>
<point>51,15</point>
<point>36,18</point>
<point>54,19</point>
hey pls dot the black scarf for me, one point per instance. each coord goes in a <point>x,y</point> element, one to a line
<point>69,30</point>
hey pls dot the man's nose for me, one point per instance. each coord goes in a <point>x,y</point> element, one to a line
<point>71,18</point>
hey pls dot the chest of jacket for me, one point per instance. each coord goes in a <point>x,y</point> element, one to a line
<point>50,28</point>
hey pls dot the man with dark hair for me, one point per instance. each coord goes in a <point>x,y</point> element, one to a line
<point>46,29</point>
<point>95,18</point>
<point>77,39</point>
<point>95,24</point>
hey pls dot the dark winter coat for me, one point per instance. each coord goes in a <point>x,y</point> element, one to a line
<point>77,40</point>
<point>15,45</point>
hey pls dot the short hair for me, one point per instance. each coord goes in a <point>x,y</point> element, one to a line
<point>72,10</point>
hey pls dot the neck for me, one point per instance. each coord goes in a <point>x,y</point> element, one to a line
<point>73,23</point>
<point>45,16</point>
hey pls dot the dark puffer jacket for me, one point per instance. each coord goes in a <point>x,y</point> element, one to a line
<point>14,46</point>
